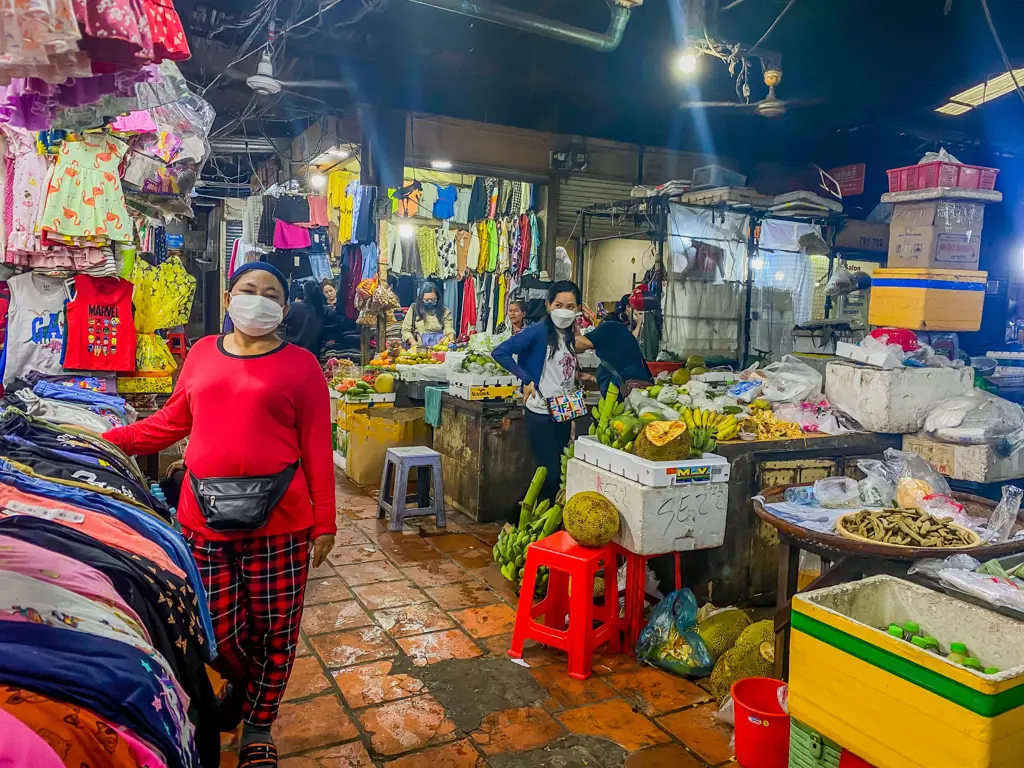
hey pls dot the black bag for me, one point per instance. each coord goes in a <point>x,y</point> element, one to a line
<point>240,503</point>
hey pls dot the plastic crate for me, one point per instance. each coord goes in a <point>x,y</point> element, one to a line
<point>809,749</point>
<point>667,367</point>
<point>939,174</point>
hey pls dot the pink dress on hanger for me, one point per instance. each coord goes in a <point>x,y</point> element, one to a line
<point>27,187</point>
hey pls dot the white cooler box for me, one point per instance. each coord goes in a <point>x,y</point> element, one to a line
<point>654,521</point>
<point>710,468</point>
<point>893,400</point>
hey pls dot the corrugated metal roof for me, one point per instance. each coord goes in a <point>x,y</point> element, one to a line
<point>581,191</point>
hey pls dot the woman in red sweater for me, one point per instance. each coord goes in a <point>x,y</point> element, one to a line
<point>260,492</point>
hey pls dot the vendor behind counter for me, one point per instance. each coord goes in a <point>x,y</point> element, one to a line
<point>621,358</point>
<point>428,320</point>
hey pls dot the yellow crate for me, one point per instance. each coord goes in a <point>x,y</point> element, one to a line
<point>927,299</point>
<point>347,407</point>
<point>894,704</point>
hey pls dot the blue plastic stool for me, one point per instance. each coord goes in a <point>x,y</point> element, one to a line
<point>398,462</point>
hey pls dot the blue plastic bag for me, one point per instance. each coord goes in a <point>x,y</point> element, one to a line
<point>670,640</point>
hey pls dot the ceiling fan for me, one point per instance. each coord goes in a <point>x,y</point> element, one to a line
<point>265,84</point>
<point>770,106</point>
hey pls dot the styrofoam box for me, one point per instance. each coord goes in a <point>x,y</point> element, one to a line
<point>710,468</point>
<point>893,400</point>
<point>859,354</point>
<point>975,463</point>
<point>465,379</point>
<point>653,521</point>
<point>374,398</point>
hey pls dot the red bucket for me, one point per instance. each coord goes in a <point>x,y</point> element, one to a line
<point>762,728</point>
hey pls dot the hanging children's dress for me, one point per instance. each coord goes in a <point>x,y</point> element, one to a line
<point>100,332</point>
<point>84,198</point>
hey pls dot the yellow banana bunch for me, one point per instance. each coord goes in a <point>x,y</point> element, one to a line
<point>720,426</point>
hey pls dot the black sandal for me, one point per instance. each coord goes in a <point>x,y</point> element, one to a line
<point>257,755</point>
<point>229,707</point>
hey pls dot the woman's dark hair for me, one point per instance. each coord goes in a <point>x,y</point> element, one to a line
<point>523,304</point>
<point>568,334</point>
<point>421,309</point>
<point>313,295</point>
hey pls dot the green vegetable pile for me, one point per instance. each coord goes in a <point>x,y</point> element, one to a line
<point>536,521</point>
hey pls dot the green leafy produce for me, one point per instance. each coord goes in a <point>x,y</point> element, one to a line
<point>591,519</point>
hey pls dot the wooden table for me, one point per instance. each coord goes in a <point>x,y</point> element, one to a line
<point>846,560</point>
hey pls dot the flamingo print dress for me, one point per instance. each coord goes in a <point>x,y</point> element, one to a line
<point>84,199</point>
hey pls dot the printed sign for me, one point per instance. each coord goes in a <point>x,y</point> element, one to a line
<point>692,474</point>
<point>850,178</point>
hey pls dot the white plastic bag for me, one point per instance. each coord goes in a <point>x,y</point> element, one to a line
<point>837,492</point>
<point>977,417</point>
<point>640,404</point>
<point>1000,525</point>
<point>790,381</point>
<point>877,489</point>
<point>893,353</point>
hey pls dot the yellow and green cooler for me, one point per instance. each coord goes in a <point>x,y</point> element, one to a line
<point>927,299</point>
<point>896,705</point>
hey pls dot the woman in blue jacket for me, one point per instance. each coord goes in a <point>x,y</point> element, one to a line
<point>545,361</point>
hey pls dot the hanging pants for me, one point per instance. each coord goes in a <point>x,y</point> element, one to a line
<point>255,588</point>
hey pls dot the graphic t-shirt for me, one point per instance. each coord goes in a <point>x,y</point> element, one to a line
<point>35,326</point>
<point>100,329</point>
<point>557,378</point>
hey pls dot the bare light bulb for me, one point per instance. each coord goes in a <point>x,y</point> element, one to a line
<point>317,180</point>
<point>406,231</point>
<point>688,62</point>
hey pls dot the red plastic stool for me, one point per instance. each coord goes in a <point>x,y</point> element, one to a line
<point>568,562</point>
<point>177,344</point>
<point>636,592</point>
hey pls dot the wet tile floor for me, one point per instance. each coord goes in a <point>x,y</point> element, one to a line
<point>387,608</point>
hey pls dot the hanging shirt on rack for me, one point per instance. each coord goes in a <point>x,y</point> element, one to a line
<point>503,253</point>
<point>407,199</point>
<point>364,228</point>
<point>462,241</point>
<point>492,197</point>
<point>293,209</point>
<point>100,331</point>
<point>460,212</point>
<point>477,208</point>
<point>492,244</point>
<point>35,326</point>
<point>444,237</point>
<point>427,201</point>
<point>444,206</point>
<point>427,244</point>
<point>469,318</point>
<point>318,211</point>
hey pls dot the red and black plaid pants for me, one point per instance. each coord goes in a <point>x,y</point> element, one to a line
<point>255,589</point>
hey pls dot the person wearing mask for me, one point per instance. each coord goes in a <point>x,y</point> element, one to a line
<point>258,497</point>
<point>517,309</point>
<point>621,359</point>
<point>330,291</point>
<point>428,320</point>
<point>304,325</point>
<point>543,357</point>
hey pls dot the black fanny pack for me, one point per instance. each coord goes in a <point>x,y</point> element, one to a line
<point>240,503</point>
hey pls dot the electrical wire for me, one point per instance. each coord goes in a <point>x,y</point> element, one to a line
<point>1002,51</point>
<point>774,23</point>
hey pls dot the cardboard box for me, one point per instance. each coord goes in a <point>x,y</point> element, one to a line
<point>864,236</point>
<point>930,247</point>
<point>947,215</point>
<point>973,463</point>
<point>372,431</point>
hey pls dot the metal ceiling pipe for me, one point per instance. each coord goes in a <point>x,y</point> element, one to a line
<point>531,22</point>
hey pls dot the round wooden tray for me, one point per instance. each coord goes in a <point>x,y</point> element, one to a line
<point>976,539</point>
<point>833,545</point>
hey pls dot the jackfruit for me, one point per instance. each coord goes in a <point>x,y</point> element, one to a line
<point>739,662</point>
<point>663,441</point>
<point>757,633</point>
<point>591,519</point>
<point>721,630</point>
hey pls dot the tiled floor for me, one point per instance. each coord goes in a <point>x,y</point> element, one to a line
<point>387,607</point>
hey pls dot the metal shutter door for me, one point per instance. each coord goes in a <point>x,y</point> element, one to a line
<point>578,192</point>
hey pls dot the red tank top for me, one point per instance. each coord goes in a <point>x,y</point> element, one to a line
<point>100,334</point>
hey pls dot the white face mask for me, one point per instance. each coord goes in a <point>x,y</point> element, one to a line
<point>563,318</point>
<point>255,315</point>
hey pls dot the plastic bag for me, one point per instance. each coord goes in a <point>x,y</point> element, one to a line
<point>641,404</point>
<point>670,640</point>
<point>163,299</point>
<point>837,492</point>
<point>668,394</point>
<point>1000,525</point>
<point>942,156</point>
<point>727,712</point>
<point>812,416</point>
<point>844,281</point>
<point>931,566</point>
<point>977,417</point>
<point>913,477</point>
<point>790,381</point>
<point>893,354</point>
<point>992,589</point>
<point>945,506</point>
<point>877,488</point>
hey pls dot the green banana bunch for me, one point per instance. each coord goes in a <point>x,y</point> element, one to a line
<point>510,550</point>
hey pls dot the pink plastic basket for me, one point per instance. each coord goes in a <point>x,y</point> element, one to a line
<point>939,174</point>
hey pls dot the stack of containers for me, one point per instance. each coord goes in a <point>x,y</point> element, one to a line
<point>931,281</point>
